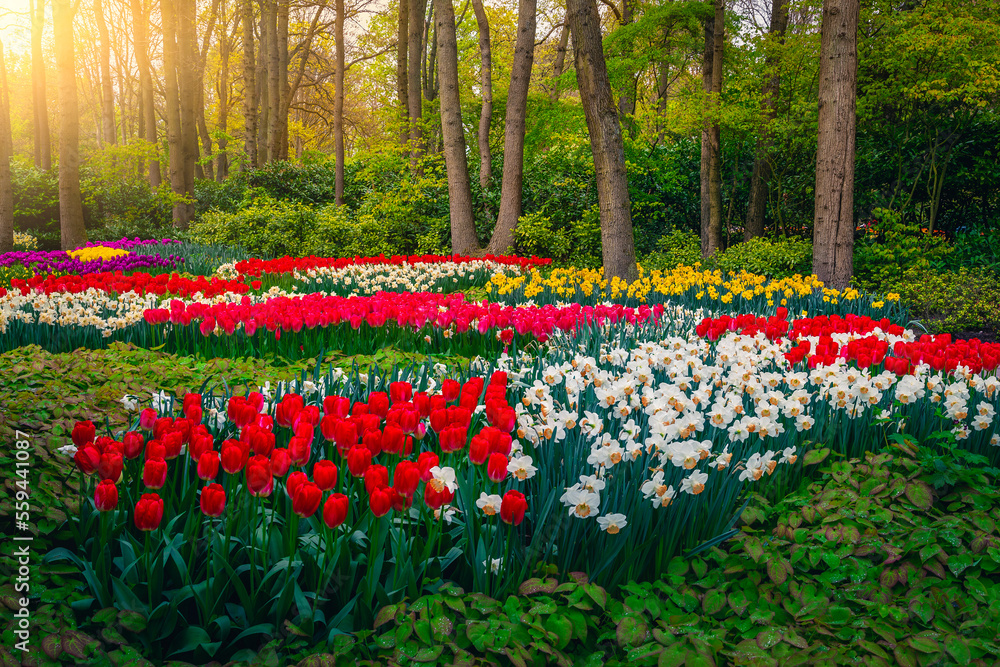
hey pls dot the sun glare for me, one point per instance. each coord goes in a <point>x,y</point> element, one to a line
<point>15,25</point>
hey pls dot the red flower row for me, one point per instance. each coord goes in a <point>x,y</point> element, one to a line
<point>142,283</point>
<point>257,267</point>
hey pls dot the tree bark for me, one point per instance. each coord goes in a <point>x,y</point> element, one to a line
<point>222,159</point>
<point>43,138</point>
<point>463,227</point>
<point>413,89</point>
<point>6,151</point>
<point>757,204</point>
<point>190,83</point>
<point>833,225</point>
<point>486,115</point>
<point>402,92</point>
<point>249,86</point>
<point>513,144</point>
<point>431,70</point>
<point>72,230</point>
<point>176,116</point>
<point>626,101</point>
<point>273,82</point>
<point>206,170</point>
<point>108,133</point>
<point>338,106</point>
<point>140,21</point>
<point>617,242</point>
<point>711,162</point>
<point>268,21</point>
<point>560,63</point>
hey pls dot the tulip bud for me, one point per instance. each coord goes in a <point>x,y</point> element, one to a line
<point>83,433</point>
<point>406,477</point>
<point>110,466</point>
<point>358,460</point>
<point>208,465</point>
<point>325,474</point>
<point>148,512</point>
<point>335,510</point>
<point>306,500</point>
<point>213,500</point>
<point>134,443</point>
<point>106,496</point>
<point>512,507</point>
<point>376,476</point>
<point>380,500</point>
<point>147,419</point>
<point>496,467</point>
<point>280,462</point>
<point>154,473</point>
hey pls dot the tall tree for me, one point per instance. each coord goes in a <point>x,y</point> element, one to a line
<point>72,231</point>
<point>6,150</point>
<point>413,90</point>
<point>338,106</point>
<point>279,141</point>
<point>711,141</point>
<point>108,134</point>
<point>617,241</point>
<point>486,80</point>
<point>463,227</point>
<point>513,144</point>
<point>265,59</point>
<point>205,171</point>
<point>757,204</point>
<point>560,63</point>
<point>43,138</point>
<point>249,85</point>
<point>140,21</point>
<point>225,49</point>
<point>833,225</point>
<point>402,93</point>
<point>181,138</point>
<point>190,82</point>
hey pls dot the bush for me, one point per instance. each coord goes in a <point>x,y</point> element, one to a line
<point>891,246</point>
<point>946,301</point>
<point>775,258</point>
<point>264,227</point>
<point>679,247</point>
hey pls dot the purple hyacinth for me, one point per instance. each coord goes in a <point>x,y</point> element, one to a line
<point>126,243</point>
<point>58,261</point>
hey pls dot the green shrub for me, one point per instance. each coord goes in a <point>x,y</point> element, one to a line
<point>679,247</point>
<point>535,235</point>
<point>891,246</point>
<point>264,227</point>
<point>776,258</point>
<point>943,301</point>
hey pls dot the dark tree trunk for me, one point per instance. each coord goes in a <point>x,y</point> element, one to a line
<point>222,159</point>
<point>280,148</point>
<point>617,242</point>
<point>463,227</point>
<point>431,75</point>
<point>249,86</point>
<point>833,225</point>
<point>711,159</point>
<point>205,171</point>
<point>338,105</point>
<point>43,138</point>
<point>189,82</point>
<point>109,135</point>
<point>513,144</point>
<point>268,19</point>
<point>140,22</point>
<point>413,89</point>
<point>73,232</point>
<point>486,114</point>
<point>402,93</point>
<point>757,204</point>
<point>6,151</point>
<point>560,64</point>
<point>179,111</point>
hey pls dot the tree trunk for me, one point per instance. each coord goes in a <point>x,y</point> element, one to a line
<point>757,204</point>
<point>176,135</point>
<point>107,90</point>
<point>189,82</point>
<point>43,139</point>
<point>273,81</point>
<point>249,87</point>
<point>222,159</point>
<point>268,11</point>
<point>513,144</point>
<point>283,98</point>
<point>617,242</point>
<point>431,70</point>
<point>73,233</point>
<point>199,89</point>
<point>463,227</point>
<point>6,151</point>
<point>413,59</point>
<point>486,115</point>
<point>338,106</point>
<point>711,159</point>
<point>140,21</point>
<point>402,93</point>
<point>626,101</point>
<point>560,64</point>
<point>833,225</point>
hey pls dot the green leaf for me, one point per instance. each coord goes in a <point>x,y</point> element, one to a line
<point>924,644</point>
<point>132,621</point>
<point>713,601</point>
<point>919,494</point>
<point>561,627</point>
<point>815,456</point>
<point>958,564</point>
<point>958,648</point>
<point>768,638</point>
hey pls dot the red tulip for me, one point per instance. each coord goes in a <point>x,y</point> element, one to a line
<point>393,439</point>
<point>294,481</point>
<point>154,473</point>
<point>359,408</point>
<point>376,476</point>
<point>367,423</point>
<point>425,462</point>
<point>110,466</point>
<point>299,450</point>
<point>459,416</point>
<point>287,409</point>
<point>436,499</point>
<point>479,450</point>
<point>261,440</point>
<point>172,442</point>
<point>346,436</point>
<point>422,403</point>
<point>260,480</point>
<point>378,403</point>
<point>106,496</point>
<point>335,510</point>
<point>134,443</point>
<point>280,462</point>
<point>406,477</point>
<point>505,419</point>
<point>512,507</point>
<point>453,438</point>
<point>328,427</point>
<point>87,459</point>
<point>336,406</point>
<point>147,419</point>
<point>358,460</point>
<point>208,465</point>
<point>325,474</point>
<point>306,500</point>
<point>408,420</point>
<point>148,512</point>
<point>183,426</point>
<point>200,443</point>
<point>266,422</point>
<point>439,420</point>
<point>213,500</point>
<point>234,456</point>
<point>450,389</point>
<point>496,467</point>
<point>372,441</point>
<point>401,501</point>
<point>192,407</point>
<point>380,500</point>
<point>162,425</point>
<point>84,433</point>
<point>400,392</point>
<point>155,450</point>
<point>499,378</point>
<point>255,399</point>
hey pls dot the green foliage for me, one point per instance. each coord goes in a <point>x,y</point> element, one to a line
<point>264,226</point>
<point>677,248</point>
<point>776,258</point>
<point>893,245</point>
<point>966,299</point>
